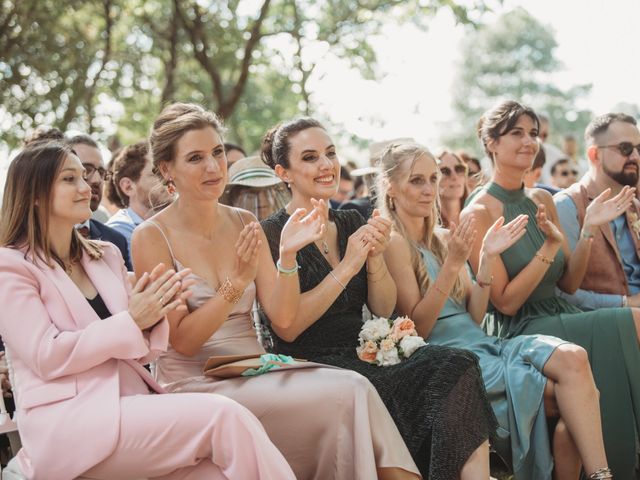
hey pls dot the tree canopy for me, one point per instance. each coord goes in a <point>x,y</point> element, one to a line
<point>108,66</point>
<point>513,58</point>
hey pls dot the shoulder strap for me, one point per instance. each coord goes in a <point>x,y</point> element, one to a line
<point>155,224</point>
<point>240,215</point>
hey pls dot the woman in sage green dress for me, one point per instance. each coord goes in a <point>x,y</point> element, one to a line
<point>526,275</point>
<point>522,374</point>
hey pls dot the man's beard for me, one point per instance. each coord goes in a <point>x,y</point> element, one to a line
<point>630,179</point>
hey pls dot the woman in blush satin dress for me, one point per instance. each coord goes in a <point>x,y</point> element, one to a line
<point>328,423</point>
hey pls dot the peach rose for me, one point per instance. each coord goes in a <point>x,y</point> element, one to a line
<point>368,351</point>
<point>402,327</point>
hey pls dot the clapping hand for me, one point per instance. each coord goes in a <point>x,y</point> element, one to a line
<point>500,237</point>
<point>301,229</point>
<point>461,240</point>
<point>601,210</point>
<point>550,230</point>
<point>156,294</point>
<point>247,246</point>
<point>378,233</point>
<point>358,248</point>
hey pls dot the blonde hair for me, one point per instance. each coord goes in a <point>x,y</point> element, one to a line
<point>392,158</point>
<point>26,205</point>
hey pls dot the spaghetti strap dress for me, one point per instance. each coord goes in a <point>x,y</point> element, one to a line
<point>436,397</point>
<point>608,335</point>
<point>328,423</point>
<point>512,374</point>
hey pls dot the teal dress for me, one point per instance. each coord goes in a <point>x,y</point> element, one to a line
<point>608,335</point>
<point>512,374</point>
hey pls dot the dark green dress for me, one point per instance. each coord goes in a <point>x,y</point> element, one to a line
<point>608,335</point>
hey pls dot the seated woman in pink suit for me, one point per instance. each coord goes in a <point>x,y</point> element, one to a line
<point>328,423</point>
<point>77,337</point>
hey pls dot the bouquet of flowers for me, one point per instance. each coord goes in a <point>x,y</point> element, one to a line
<point>385,342</point>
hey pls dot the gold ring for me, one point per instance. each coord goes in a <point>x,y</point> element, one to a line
<point>162,299</point>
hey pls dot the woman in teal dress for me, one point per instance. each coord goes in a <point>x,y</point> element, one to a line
<point>526,274</point>
<point>521,375</point>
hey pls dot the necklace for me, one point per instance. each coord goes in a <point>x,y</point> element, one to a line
<point>325,247</point>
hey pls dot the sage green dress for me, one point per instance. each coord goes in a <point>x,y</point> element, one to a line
<point>608,335</point>
<point>512,374</point>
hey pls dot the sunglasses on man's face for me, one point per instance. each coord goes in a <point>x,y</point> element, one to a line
<point>625,148</point>
<point>459,169</point>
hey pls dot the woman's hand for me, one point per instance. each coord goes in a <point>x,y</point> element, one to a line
<point>460,241</point>
<point>601,211</point>
<point>358,249</point>
<point>379,232</point>
<point>156,294</point>
<point>246,266</point>
<point>301,229</point>
<point>500,237</point>
<point>550,230</point>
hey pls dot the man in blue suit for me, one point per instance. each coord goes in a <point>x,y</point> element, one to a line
<point>89,153</point>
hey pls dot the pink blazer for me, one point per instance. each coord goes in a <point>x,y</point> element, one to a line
<point>67,362</point>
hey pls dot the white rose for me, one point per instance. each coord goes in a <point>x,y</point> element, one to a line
<point>388,357</point>
<point>375,329</point>
<point>410,344</point>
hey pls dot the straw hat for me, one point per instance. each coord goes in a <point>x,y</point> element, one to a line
<point>252,172</point>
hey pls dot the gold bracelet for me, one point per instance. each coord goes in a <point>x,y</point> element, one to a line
<point>440,290</point>
<point>379,268</point>
<point>544,259</point>
<point>372,280</point>
<point>230,293</point>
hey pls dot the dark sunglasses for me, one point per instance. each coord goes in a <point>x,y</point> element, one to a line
<point>459,169</point>
<point>89,170</point>
<point>625,148</point>
<point>566,173</point>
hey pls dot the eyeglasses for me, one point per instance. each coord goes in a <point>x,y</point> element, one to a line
<point>89,170</point>
<point>566,173</point>
<point>625,148</point>
<point>459,169</point>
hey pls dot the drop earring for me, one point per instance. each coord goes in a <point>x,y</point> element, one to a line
<point>171,186</point>
<point>391,204</point>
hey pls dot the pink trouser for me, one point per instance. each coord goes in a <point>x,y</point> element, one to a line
<point>190,436</point>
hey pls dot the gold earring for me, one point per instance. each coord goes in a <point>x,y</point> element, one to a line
<point>391,204</point>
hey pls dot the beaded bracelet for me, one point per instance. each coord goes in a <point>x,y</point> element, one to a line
<point>287,272</point>
<point>544,259</point>
<point>230,293</point>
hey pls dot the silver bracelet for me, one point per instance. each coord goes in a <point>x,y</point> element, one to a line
<point>625,301</point>
<point>336,279</point>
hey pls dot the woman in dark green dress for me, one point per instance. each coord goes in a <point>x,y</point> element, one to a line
<point>436,397</point>
<point>526,275</point>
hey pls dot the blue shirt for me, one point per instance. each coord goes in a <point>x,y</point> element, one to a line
<point>125,221</point>
<point>585,299</point>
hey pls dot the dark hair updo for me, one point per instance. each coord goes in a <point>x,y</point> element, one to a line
<point>275,143</point>
<point>500,120</point>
